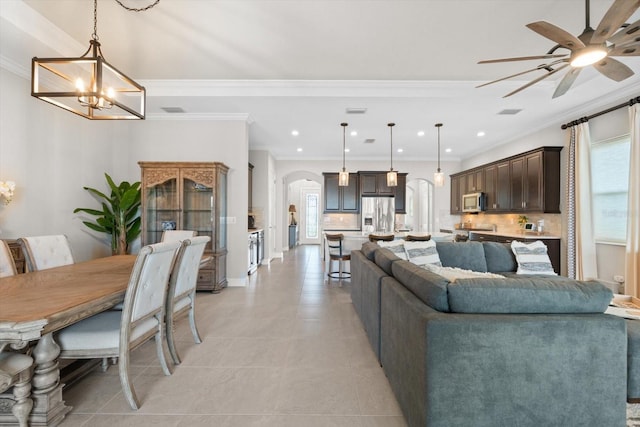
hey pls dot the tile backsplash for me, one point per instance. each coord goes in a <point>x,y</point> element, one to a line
<point>341,221</point>
<point>509,222</point>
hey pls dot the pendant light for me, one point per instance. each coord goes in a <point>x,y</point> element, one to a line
<point>88,85</point>
<point>343,176</point>
<point>392,176</point>
<point>438,177</point>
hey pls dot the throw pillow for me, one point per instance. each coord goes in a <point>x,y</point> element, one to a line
<point>395,246</point>
<point>532,258</point>
<point>453,273</point>
<point>422,253</point>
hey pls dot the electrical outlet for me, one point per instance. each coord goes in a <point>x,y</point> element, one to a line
<point>618,278</point>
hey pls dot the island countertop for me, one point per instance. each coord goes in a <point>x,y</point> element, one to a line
<point>518,234</point>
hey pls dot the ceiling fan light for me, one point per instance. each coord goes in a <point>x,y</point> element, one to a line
<point>588,56</point>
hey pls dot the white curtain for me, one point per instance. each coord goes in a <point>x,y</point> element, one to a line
<point>581,247</point>
<point>632,261</point>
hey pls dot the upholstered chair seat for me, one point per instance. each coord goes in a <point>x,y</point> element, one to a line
<point>44,252</point>
<point>181,298</point>
<point>115,333</point>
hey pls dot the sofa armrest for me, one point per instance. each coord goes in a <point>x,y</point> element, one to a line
<point>502,369</point>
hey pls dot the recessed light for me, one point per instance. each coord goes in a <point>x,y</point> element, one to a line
<point>299,150</point>
<point>481,134</point>
<point>354,133</point>
<point>295,132</point>
<point>400,150</point>
<point>346,150</point>
<point>421,133</point>
<point>448,150</point>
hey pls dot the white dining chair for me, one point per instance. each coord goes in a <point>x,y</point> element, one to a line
<point>43,252</point>
<point>181,298</point>
<point>15,370</point>
<point>116,333</point>
<point>177,235</point>
<point>7,266</point>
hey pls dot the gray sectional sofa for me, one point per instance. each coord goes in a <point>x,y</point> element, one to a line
<point>519,351</point>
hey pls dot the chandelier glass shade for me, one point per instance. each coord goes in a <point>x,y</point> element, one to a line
<point>392,176</point>
<point>438,176</point>
<point>88,85</point>
<point>343,175</point>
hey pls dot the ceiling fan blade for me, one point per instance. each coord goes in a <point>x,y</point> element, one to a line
<point>556,34</point>
<point>519,58</point>
<point>613,69</point>
<point>534,81</point>
<point>566,81</point>
<point>631,49</point>
<point>626,35</point>
<point>539,67</point>
<point>617,14</point>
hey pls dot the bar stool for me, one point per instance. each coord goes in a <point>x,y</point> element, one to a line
<point>337,253</point>
<point>414,238</point>
<point>381,237</point>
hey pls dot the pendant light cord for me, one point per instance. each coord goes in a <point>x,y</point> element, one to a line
<point>391,125</point>
<point>438,125</point>
<point>344,130</point>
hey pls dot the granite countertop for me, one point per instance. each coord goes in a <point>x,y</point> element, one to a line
<point>518,234</point>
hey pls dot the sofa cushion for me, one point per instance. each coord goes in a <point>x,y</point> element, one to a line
<point>429,287</point>
<point>369,249</point>
<point>384,258</point>
<point>499,257</point>
<point>528,295</point>
<point>422,253</point>
<point>395,246</point>
<point>466,255</point>
<point>532,258</point>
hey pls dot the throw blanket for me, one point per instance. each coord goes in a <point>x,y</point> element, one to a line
<point>454,273</point>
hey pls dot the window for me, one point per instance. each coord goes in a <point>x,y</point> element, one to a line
<point>311,231</point>
<point>609,188</point>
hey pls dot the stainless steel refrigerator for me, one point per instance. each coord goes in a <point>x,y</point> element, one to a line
<point>378,214</point>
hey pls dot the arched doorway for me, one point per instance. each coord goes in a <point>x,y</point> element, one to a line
<point>419,196</point>
<point>303,190</point>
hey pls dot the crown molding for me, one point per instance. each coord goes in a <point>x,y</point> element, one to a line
<point>15,68</point>
<point>242,117</point>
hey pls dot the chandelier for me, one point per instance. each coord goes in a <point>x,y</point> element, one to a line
<point>88,85</point>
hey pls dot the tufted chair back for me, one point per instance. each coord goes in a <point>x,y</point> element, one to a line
<point>7,266</point>
<point>44,252</point>
<point>177,235</point>
<point>148,286</point>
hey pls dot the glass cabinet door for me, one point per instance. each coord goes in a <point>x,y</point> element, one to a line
<point>197,208</point>
<point>162,209</point>
<point>222,191</point>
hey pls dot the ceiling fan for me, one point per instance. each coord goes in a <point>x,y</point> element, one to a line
<point>592,47</point>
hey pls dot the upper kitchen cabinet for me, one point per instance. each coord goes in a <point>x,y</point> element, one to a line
<point>528,182</point>
<point>374,184</point>
<point>535,181</point>
<point>401,194</point>
<point>341,199</point>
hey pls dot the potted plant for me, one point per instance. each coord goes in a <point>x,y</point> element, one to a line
<point>119,217</point>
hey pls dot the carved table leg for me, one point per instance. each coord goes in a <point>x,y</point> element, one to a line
<point>21,393</point>
<point>49,408</point>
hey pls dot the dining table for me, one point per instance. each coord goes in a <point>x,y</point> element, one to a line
<point>33,306</point>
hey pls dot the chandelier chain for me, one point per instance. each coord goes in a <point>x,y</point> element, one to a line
<point>142,9</point>
<point>94,36</point>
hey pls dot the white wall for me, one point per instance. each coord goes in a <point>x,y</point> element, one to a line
<point>51,154</point>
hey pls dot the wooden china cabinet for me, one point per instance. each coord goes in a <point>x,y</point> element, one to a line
<point>188,196</point>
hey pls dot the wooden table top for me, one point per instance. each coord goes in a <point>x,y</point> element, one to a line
<point>64,295</point>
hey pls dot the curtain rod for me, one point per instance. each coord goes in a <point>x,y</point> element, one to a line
<point>608,110</point>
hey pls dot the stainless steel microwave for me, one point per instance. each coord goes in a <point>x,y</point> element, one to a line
<point>473,202</point>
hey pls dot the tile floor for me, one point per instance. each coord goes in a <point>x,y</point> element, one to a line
<point>287,350</point>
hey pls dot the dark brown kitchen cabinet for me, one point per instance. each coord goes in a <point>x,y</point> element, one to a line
<point>374,184</point>
<point>401,194</point>
<point>529,182</point>
<point>341,199</point>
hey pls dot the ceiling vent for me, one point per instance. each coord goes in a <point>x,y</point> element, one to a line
<point>172,109</point>
<point>356,110</point>
<point>369,141</point>
<point>510,111</point>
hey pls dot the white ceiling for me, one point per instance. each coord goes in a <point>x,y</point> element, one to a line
<point>297,64</point>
